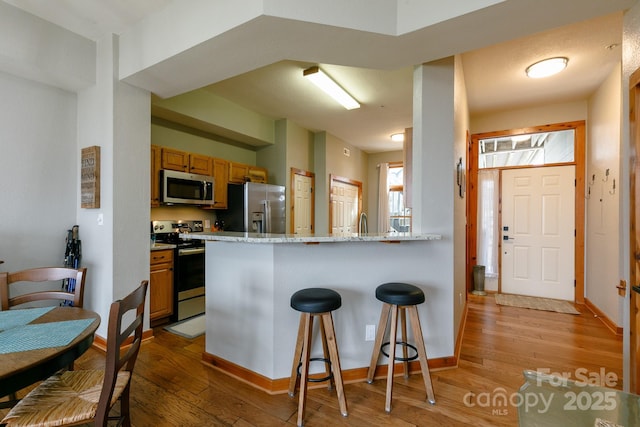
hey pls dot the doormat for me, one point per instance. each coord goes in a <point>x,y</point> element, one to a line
<point>190,328</point>
<point>536,303</point>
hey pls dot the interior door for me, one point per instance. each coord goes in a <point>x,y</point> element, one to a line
<point>344,208</point>
<point>538,232</point>
<point>303,204</point>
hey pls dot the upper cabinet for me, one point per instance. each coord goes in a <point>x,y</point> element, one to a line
<point>221,178</point>
<point>200,164</point>
<point>223,172</point>
<point>240,173</point>
<point>175,160</point>
<point>186,162</point>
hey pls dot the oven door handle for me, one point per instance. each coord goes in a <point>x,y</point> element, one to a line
<point>190,251</point>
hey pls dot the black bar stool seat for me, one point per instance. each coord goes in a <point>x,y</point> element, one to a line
<point>398,298</point>
<point>316,300</point>
<point>311,303</point>
<point>400,294</point>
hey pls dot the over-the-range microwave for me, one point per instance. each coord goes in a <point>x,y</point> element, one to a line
<point>185,188</point>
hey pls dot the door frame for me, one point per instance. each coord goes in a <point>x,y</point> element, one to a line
<point>294,172</point>
<point>634,231</point>
<point>472,199</point>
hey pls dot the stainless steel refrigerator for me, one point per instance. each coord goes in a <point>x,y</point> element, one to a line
<point>254,208</point>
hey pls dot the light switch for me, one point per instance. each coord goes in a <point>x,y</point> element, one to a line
<point>100,219</point>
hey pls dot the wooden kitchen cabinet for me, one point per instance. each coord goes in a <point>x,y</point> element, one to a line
<point>160,286</point>
<point>200,164</point>
<point>175,160</point>
<point>238,172</point>
<point>156,162</point>
<point>183,161</point>
<point>221,178</point>
<point>258,174</point>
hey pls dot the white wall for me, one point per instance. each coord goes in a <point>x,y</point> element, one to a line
<point>526,117</point>
<point>37,50</point>
<point>602,207</point>
<point>433,163</point>
<point>329,159</point>
<point>116,117</point>
<point>39,169</point>
<point>461,129</point>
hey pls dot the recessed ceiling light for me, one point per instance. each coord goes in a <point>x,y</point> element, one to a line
<point>547,67</point>
<point>397,137</point>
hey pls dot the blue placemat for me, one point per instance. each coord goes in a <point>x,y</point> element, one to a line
<point>12,318</point>
<point>41,335</point>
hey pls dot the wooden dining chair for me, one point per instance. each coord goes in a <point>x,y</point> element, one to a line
<point>21,279</point>
<point>82,396</point>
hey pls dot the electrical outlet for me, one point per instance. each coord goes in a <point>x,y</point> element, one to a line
<point>370,333</point>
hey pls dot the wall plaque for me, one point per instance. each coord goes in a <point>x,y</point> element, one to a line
<point>90,178</point>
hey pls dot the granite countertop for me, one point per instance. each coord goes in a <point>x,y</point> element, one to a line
<point>162,246</point>
<point>230,236</point>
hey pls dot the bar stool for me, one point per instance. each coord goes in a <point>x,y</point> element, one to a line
<point>314,302</point>
<point>398,298</point>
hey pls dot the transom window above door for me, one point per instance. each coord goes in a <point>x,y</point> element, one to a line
<point>532,149</point>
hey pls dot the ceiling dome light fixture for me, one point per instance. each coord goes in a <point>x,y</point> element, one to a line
<point>397,137</point>
<point>547,67</point>
<point>331,88</point>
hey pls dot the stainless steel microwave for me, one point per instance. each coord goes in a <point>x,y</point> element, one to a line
<point>185,188</point>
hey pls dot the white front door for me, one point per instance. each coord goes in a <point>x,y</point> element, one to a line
<point>538,232</point>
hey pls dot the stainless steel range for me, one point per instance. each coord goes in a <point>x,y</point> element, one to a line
<point>188,274</point>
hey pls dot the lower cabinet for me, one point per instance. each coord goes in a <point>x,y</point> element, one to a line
<point>160,286</point>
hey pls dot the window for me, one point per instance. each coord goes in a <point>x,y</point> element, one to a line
<point>526,150</point>
<point>399,216</point>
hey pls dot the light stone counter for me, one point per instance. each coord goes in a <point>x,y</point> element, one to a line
<point>229,236</point>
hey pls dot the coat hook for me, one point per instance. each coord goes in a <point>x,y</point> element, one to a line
<point>606,176</point>
<point>589,184</point>
<point>613,188</point>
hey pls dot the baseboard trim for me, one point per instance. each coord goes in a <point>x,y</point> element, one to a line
<point>281,385</point>
<point>100,343</point>
<point>603,317</point>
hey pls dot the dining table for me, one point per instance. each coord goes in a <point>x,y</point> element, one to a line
<point>37,342</point>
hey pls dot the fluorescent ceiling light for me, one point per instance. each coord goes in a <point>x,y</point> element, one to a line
<point>332,89</point>
<point>547,67</point>
<point>397,137</point>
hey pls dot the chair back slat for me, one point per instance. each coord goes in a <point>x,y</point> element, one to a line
<point>117,336</point>
<point>42,274</point>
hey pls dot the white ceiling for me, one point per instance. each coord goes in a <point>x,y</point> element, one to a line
<point>494,76</point>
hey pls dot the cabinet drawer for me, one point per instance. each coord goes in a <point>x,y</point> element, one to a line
<point>159,257</point>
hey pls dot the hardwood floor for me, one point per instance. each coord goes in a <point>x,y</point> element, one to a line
<point>171,387</point>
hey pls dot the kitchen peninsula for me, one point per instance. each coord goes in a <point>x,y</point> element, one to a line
<point>251,328</point>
